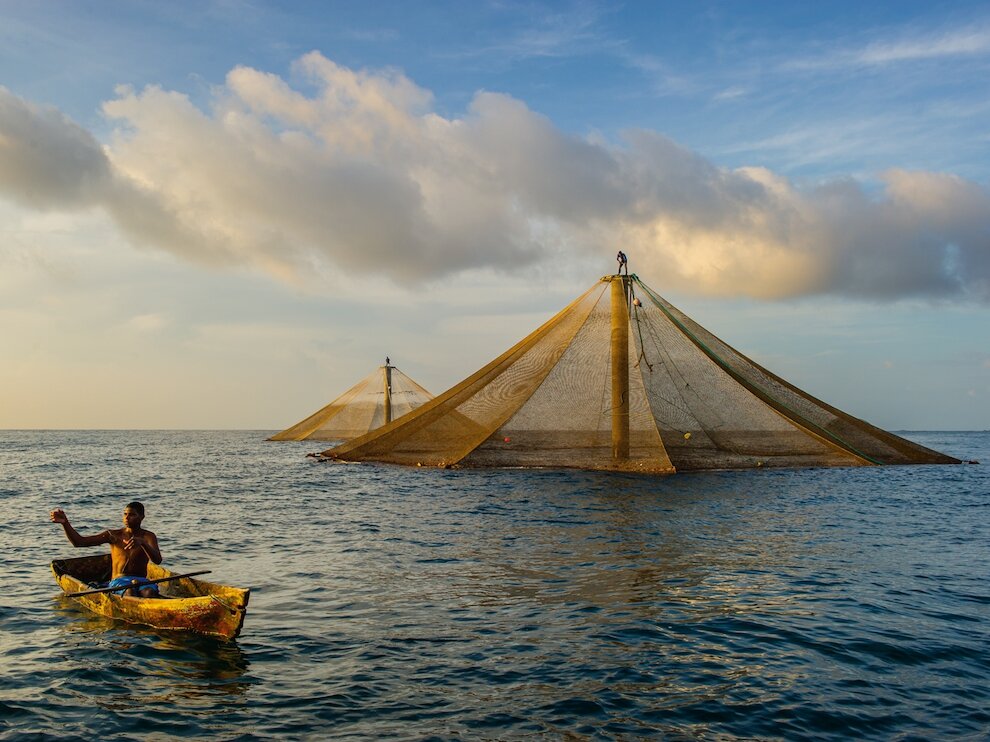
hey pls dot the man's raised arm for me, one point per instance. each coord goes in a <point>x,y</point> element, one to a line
<point>59,516</point>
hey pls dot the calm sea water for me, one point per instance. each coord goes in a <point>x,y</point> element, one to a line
<point>393,603</point>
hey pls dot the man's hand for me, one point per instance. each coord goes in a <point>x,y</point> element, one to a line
<point>58,516</point>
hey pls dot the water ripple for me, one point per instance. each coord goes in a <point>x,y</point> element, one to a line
<point>452,604</point>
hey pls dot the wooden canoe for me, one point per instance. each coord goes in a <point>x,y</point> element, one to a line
<point>191,604</point>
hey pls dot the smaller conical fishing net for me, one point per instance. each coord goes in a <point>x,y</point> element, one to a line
<point>626,382</point>
<point>384,395</point>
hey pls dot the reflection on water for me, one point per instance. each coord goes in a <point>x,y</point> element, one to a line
<point>152,666</point>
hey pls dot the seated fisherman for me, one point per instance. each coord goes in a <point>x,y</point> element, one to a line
<point>130,549</point>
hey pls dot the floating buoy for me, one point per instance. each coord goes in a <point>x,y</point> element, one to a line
<point>687,436</point>
<point>506,439</point>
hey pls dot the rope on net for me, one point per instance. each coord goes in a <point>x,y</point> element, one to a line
<point>712,419</point>
<point>727,367</point>
<point>639,330</point>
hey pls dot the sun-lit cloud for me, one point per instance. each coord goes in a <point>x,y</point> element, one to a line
<point>147,323</point>
<point>355,172</point>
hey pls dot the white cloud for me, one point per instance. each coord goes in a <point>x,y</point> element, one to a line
<point>363,178</point>
<point>959,42</point>
<point>731,93</point>
<point>910,47</point>
<point>543,33</point>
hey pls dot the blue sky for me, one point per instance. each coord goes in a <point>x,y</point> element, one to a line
<point>223,214</point>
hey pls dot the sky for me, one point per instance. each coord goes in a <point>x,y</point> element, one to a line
<point>221,214</point>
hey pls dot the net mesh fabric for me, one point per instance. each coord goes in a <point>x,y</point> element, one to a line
<point>361,408</point>
<point>692,403</point>
<point>869,441</point>
<point>707,419</point>
<point>445,430</point>
<point>566,422</point>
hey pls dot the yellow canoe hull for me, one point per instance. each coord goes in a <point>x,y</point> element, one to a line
<point>191,605</point>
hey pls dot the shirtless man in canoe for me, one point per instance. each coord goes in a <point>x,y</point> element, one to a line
<point>130,549</point>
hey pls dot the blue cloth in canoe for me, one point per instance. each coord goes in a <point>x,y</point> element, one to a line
<point>126,582</point>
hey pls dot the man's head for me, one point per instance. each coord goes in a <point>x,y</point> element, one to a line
<point>133,514</point>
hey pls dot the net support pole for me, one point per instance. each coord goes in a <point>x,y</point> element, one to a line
<point>620,368</point>
<point>388,393</point>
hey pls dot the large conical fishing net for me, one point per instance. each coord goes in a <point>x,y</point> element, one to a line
<point>384,395</point>
<point>620,379</point>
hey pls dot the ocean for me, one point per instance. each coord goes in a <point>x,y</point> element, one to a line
<point>425,604</point>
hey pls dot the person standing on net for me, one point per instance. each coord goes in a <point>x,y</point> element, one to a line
<point>623,263</point>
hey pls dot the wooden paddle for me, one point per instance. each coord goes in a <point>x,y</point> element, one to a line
<point>128,587</point>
